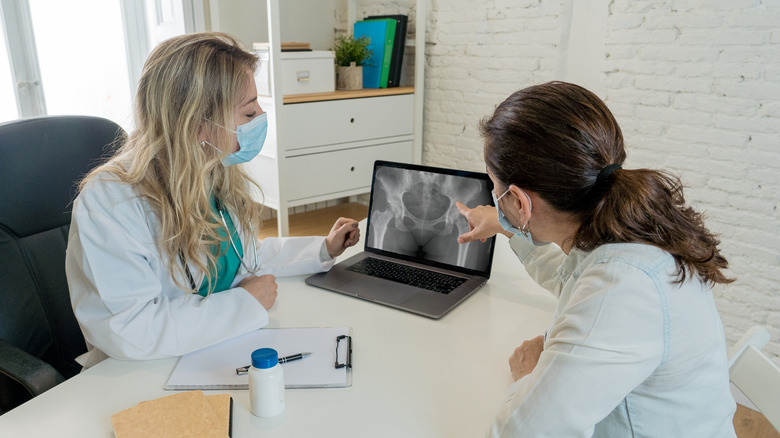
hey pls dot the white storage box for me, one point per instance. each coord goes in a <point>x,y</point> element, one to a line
<point>308,72</point>
<point>263,72</point>
<point>302,72</point>
<point>262,78</point>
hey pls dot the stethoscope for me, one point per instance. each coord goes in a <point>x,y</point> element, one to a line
<point>254,270</point>
<point>230,238</point>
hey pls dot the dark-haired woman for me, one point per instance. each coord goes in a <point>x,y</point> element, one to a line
<point>635,347</point>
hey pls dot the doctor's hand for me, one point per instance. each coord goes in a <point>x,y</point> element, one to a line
<point>483,223</point>
<point>525,357</point>
<point>263,288</point>
<point>345,233</point>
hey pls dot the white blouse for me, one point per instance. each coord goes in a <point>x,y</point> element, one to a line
<point>628,353</point>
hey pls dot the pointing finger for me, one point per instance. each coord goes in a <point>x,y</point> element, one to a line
<point>462,208</point>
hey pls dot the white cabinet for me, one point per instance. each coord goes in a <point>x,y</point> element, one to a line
<point>346,121</point>
<point>339,173</point>
<point>330,147</point>
<point>323,146</point>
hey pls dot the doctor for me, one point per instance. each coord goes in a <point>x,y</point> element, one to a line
<point>163,257</point>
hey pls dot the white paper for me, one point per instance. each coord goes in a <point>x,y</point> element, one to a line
<point>215,367</point>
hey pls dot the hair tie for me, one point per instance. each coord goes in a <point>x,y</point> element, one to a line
<point>606,172</point>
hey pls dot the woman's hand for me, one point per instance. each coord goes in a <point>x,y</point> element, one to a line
<point>345,233</point>
<point>263,288</point>
<point>525,357</point>
<point>483,223</point>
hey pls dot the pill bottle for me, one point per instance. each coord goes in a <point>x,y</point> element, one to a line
<point>266,384</point>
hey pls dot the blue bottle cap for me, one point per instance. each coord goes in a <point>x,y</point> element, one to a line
<point>265,358</point>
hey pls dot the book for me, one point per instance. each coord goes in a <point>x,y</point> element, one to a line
<point>388,52</point>
<point>381,34</point>
<point>215,367</point>
<point>399,43</point>
<point>189,413</point>
<point>292,46</point>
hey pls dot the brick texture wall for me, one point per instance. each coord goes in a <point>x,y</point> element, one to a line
<point>695,86</point>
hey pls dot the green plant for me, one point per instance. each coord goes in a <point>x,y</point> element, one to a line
<point>349,49</point>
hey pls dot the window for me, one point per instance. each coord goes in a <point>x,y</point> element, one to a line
<point>82,56</point>
<point>7,102</point>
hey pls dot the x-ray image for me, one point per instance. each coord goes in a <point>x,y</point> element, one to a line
<point>413,213</point>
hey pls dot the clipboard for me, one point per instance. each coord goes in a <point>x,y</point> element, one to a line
<point>329,366</point>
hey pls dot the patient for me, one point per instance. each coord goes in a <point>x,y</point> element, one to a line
<point>163,257</point>
<point>635,347</point>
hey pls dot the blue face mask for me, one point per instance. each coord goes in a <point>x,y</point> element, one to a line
<point>251,137</point>
<point>505,224</point>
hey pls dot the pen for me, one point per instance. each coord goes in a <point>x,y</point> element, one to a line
<point>293,357</point>
<point>244,370</point>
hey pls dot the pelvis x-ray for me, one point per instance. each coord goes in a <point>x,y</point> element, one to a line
<point>413,213</point>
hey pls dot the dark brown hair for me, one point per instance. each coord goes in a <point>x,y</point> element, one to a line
<point>554,139</point>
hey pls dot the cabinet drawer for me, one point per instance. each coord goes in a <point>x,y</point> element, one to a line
<point>338,171</point>
<point>342,121</point>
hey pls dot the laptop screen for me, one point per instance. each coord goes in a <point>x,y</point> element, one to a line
<point>412,216</point>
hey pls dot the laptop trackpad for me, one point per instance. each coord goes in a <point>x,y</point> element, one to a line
<point>333,279</point>
<point>386,291</point>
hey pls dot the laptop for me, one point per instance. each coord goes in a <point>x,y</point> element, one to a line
<point>412,260</point>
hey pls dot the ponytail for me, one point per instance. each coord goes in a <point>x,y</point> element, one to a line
<point>648,206</point>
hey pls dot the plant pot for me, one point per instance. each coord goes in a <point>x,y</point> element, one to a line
<point>349,78</point>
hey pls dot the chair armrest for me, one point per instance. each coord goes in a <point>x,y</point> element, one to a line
<point>756,336</point>
<point>35,375</point>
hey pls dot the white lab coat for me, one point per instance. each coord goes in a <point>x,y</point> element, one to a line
<point>127,303</point>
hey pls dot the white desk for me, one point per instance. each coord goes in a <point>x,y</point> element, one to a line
<point>412,376</point>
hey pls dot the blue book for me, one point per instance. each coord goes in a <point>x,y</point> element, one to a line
<point>376,31</point>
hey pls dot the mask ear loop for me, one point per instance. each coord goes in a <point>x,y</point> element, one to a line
<point>206,142</point>
<point>223,127</point>
<point>524,229</point>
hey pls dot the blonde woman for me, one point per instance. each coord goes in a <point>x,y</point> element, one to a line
<point>162,254</point>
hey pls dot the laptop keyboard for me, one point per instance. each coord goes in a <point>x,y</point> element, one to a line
<point>422,278</point>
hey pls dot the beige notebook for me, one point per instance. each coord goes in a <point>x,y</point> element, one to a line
<point>185,414</point>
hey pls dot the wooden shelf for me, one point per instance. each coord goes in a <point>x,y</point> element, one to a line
<point>346,94</point>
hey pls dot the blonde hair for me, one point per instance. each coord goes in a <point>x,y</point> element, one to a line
<point>186,81</point>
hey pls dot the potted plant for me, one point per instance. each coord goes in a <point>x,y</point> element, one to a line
<point>351,54</point>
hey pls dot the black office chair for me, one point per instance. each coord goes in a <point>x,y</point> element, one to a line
<point>41,161</point>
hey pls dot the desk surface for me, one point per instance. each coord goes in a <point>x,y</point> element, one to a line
<point>412,376</point>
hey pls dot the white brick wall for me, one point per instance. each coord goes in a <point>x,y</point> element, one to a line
<point>695,86</point>
<point>705,105</point>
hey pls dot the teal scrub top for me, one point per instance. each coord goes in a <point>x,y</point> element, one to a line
<point>229,259</point>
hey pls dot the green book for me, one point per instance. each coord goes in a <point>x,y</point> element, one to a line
<point>387,52</point>
<point>388,55</point>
